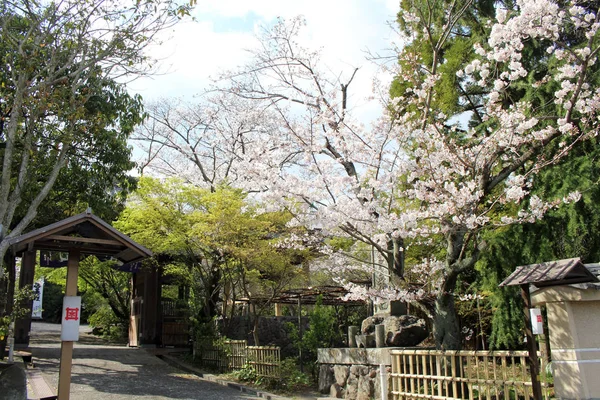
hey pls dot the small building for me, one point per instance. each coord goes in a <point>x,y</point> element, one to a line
<point>574,328</point>
<point>570,291</point>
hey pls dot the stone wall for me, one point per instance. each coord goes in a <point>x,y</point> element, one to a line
<point>271,332</point>
<point>353,373</point>
<point>352,382</point>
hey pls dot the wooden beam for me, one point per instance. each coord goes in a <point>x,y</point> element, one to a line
<point>84,240</point>
<point>65,247</point>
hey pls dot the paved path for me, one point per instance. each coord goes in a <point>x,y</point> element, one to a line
<point>108,372</point>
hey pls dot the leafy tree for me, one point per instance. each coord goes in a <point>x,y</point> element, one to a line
<point>63,116</point>
<point>563,233</point>
<point>214,239</point>
<point>60,102</point>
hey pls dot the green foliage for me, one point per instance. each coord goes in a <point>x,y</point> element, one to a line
<point>104,322</point>
<point>105,295</point>
<point>292,379</point>
<point>323,332</point>
<point>52,302</point>
<point>22,296</point>
<point>246,374</point>
<point>213,238</point>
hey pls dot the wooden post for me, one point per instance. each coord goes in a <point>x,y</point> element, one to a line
<point>278,309</point>
<point>531,345</point>
<point>23,325</point>
<point>66,350</point>
<point>300,333</point>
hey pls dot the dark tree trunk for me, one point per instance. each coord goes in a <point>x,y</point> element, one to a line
<point>212,294</point>
<point>7,294</point>
<point>395,257</point>
<point>445,323</point>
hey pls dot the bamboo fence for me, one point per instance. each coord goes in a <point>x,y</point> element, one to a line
<point>266,360</point>
<point>435,374</point>
<point>236,354</point>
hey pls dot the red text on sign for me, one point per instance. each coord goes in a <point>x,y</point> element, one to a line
<point>72,314</point>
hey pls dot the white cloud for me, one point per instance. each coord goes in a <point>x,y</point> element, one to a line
<point>224,30</point>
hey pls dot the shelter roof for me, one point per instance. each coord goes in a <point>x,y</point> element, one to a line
<point>84,232</point>
<point>553,273</point>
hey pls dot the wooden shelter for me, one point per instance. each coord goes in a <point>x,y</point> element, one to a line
<point>79,235</point>
<point>82,234</point>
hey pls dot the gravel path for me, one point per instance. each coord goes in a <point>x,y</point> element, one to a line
<point>108,372</point>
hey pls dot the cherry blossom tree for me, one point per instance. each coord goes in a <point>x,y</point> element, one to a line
<point>420,176</point>
<point>202,143</point>
<point>417,174</point>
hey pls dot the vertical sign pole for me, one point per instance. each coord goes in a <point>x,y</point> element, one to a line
<point>531,345</point>
<point>66,350</point>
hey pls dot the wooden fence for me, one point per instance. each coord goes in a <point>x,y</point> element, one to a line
<point>236,354</point>
<point>434,374</point>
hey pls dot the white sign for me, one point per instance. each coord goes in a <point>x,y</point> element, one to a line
<point>38,288</point>
<point>71,314</point>
<point>537,322</point>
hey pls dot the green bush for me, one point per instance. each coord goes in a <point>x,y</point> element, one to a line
<point>104,322</point>
<point>246,374</point>
<point>323,332</point>
<point>291,378</point>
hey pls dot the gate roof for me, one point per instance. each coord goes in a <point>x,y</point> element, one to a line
<point>84,232</point>
<point>553,273</point>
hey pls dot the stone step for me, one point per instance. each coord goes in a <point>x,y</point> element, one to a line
<point>37,387</point>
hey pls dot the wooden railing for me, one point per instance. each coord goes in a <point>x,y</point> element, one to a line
<point>434,374</point>
<point>236,354</point>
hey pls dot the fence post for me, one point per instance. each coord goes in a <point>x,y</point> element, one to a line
<point>384,386</point>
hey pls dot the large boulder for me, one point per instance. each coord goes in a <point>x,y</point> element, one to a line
<point>326,378</point>
<point>400,331</point>
<point>13,382</point>
<point>405,330</point>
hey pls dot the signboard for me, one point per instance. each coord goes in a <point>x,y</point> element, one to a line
<point>38,289</point>
<point>537,322</point>
<point>71,314</point>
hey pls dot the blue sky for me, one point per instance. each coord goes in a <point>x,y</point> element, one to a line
<point>224,29</point>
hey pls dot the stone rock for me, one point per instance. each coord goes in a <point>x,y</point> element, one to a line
<point>405,330</point>
<point>359,370</point>
<point>368,325</point>
<point>365,341</point>
<point>326,378</point>
<point>341,372</point>
<point>365,388</point>
<point>352,386</point>
<point>13,383</point>
<point>400,331</point>
<point>336,391</point>
<point>377,386</point>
